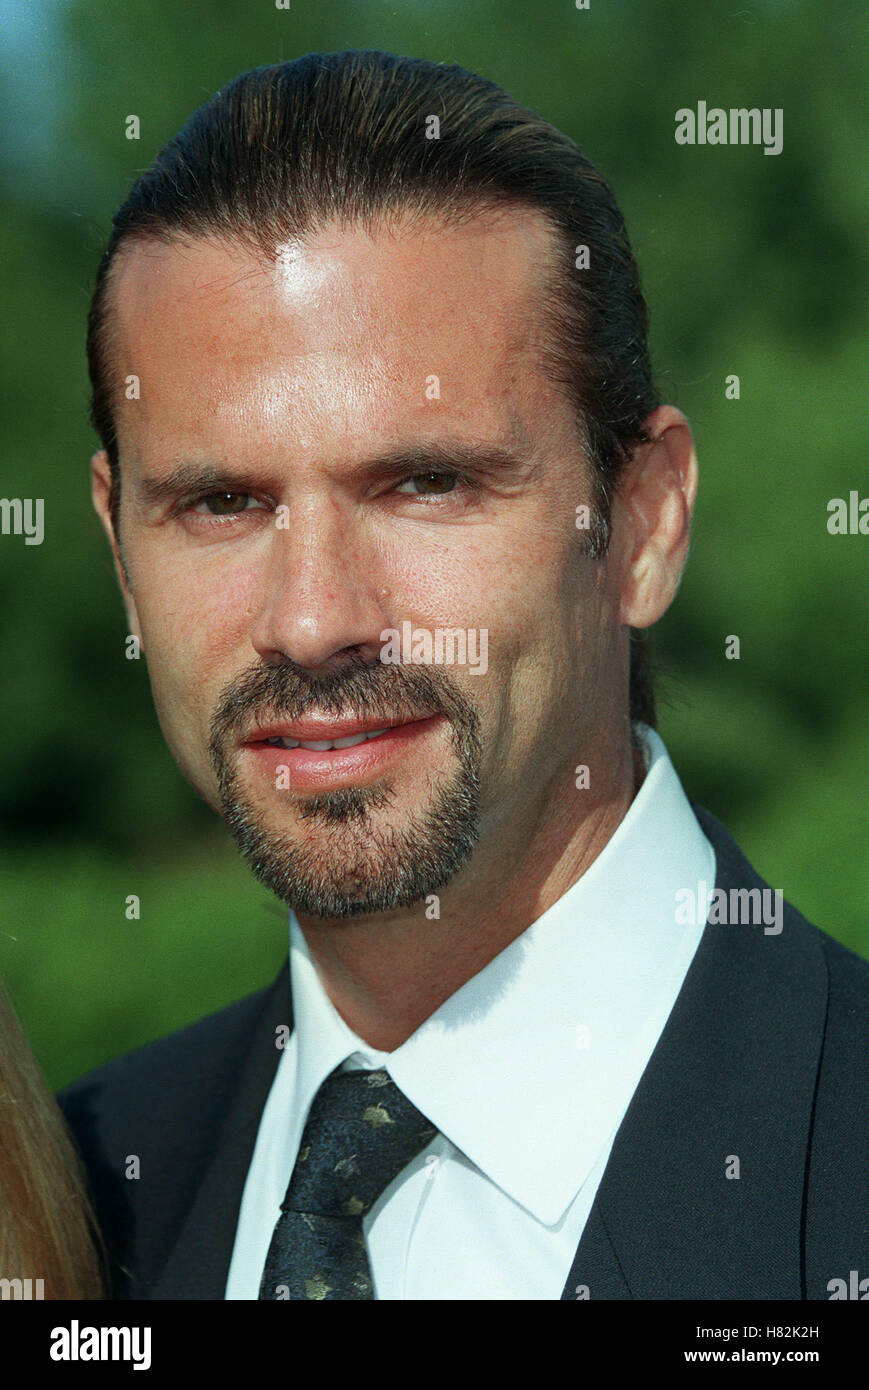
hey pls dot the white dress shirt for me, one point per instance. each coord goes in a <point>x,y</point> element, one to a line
<point>526,1071</point>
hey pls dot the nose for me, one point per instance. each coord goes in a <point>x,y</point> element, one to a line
<point>323,590</point>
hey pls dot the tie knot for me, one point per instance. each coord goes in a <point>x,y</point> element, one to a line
<point>361,1132</point>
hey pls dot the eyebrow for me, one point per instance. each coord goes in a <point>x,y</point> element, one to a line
<point>401,461</point>
<point>184,477</point>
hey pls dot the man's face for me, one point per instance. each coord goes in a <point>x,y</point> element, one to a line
<point>356,437</point>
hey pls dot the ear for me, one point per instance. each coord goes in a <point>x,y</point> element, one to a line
<point>652,515</point>
<point>101,495</point>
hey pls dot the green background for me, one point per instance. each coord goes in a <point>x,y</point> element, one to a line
<point>752,264</point>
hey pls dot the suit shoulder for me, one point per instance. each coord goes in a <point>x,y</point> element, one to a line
<point>174,1065</point>
<point>836,1203</point>
<point>848,972</point>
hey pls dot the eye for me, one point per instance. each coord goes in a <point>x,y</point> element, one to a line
<point>433,483</point>
<point>223,503</point>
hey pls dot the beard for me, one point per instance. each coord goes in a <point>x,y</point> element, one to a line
<point>358,862</point>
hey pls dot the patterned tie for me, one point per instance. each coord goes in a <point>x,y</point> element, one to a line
<point>361,1132</point>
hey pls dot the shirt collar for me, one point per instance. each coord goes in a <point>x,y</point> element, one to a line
<point>529,1068</point>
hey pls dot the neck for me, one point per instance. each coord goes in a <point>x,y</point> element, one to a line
<point>386,974</point>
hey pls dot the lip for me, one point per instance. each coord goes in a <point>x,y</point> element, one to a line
<point>318,730</point>
<point>310,770</point>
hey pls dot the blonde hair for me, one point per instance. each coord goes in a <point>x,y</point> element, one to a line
<point>47,1228</point>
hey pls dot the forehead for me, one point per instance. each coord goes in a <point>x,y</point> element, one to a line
<point>351,330</point>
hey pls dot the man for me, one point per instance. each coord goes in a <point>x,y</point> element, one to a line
<point>391,499</point>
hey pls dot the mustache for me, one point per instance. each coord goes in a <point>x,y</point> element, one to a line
<point>391,692</point>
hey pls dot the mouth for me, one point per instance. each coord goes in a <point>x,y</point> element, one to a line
<point>322,745</point>
<point>320,752</point>
<point>319,732</point>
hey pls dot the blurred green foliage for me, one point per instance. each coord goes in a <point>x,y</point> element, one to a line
<point>753,265</point>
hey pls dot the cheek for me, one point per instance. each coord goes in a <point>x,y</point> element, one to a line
<point>477,576</point>
<point>441,584</point>
<point>558,630</point>
<point>512,584</point>
<point>195,628</point>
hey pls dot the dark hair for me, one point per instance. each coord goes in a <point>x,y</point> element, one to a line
<point>280,151</point>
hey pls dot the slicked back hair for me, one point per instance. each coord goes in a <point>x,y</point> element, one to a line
<point>349,137</point>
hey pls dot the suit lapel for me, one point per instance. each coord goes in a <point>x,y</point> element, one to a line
<point>199,1263</point>
<point>732,1078</point>
<point>596,1271</point>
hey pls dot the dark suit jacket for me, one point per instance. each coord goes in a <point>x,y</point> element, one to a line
<point>764,1057</point>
